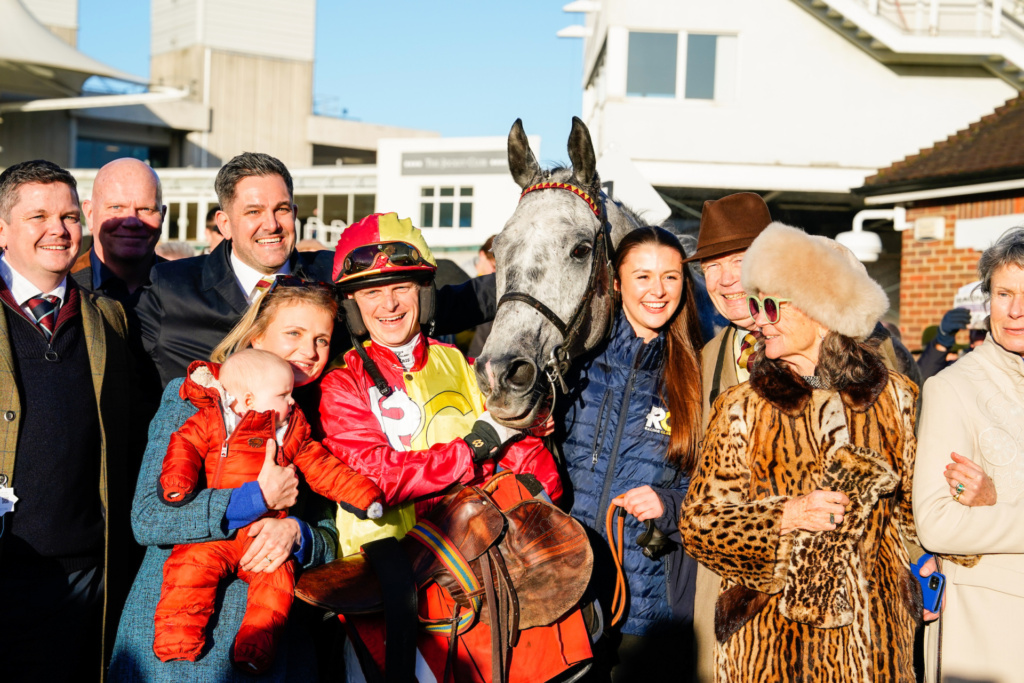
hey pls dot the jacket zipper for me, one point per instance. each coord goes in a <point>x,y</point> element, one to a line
<point>609,474</point>
<point>599,429</point>
<point>223,450</point>
<point>220,465</point>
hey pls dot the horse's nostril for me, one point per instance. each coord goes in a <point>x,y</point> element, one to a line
<point>521,373</point>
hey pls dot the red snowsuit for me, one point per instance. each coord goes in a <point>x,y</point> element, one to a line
<point>405,444</point>
<point>192,572</point>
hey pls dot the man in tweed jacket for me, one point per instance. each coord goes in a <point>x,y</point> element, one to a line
<point>65,379</point>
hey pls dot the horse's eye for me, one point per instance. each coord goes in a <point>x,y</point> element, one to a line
<point>581,250</point>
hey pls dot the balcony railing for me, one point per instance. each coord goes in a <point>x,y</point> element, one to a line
<point>952,18</point>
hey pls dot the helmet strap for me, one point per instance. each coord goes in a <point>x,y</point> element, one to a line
<point>353,318</point>
<point>428,301</point>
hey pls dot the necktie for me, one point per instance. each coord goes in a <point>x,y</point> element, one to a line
<point>44,310</point>
<point>260,289</point>
<point>747,348</point>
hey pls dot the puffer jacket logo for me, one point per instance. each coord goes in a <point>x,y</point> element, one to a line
<point>255,442</point>
<point>658,421</point>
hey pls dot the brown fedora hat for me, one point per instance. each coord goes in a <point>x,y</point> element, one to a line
<point>729,224</point>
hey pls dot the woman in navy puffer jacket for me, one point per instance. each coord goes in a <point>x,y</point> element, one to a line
<point>631,431</point>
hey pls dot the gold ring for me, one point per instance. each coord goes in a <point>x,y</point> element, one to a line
<point>957,496</point>
<point>960,487</point>
<point>832,518</point>
<point>270,559</point>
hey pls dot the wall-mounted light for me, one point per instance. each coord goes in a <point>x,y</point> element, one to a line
<point>867,246</point>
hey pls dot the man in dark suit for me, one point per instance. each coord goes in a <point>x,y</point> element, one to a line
<point>192,304</point>
<point>125,215</point>
<point>65,384</point>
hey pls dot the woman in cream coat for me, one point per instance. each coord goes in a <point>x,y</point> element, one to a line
<point>968,486</point>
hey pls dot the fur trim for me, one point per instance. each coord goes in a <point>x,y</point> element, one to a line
<point>776,383</point>
<point>202,384</point>
<point>817,277</point>
<point>735,607</point>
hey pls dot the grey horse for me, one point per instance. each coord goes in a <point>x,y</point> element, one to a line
<point>549,256</point>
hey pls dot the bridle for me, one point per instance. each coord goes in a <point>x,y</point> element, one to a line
<point>562,354</point>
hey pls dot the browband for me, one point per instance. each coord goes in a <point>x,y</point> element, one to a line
<point>566,186</point>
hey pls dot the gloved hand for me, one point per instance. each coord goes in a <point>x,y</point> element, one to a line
<point>487,437</point>
<point>954,321</point>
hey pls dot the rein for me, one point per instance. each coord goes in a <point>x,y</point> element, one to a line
<point>558,363</point>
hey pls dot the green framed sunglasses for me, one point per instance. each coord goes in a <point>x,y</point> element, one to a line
<point>771,305</point>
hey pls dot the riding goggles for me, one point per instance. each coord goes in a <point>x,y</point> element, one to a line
<point>771,305</point>
<point>376,256</point>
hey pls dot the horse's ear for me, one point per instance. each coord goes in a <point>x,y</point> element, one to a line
<point>581,154</point>
<point>521,162</point>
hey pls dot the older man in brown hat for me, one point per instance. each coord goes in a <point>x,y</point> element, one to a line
<point>727,227</point>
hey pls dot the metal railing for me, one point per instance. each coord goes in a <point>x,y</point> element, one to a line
<point>953,18</point>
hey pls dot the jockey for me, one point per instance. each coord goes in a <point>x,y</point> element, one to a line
<point>405,411</point>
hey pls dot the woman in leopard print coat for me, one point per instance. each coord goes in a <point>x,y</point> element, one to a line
<point>801,500</point>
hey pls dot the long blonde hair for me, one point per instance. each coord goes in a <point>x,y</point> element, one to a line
<point>257,319</point>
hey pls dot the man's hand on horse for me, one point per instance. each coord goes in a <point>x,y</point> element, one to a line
<point>489,437</point>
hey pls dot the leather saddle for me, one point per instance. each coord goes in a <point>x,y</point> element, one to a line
<point>531,563</point>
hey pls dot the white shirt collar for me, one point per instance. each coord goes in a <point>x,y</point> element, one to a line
<point>248,277</point>
<point>21,289</point>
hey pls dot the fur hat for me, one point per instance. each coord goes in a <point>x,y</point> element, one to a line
<point>818,276</point>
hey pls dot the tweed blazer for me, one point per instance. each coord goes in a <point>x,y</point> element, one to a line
<point>105,329</point>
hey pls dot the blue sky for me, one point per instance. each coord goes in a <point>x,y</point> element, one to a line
<point>458,67</point>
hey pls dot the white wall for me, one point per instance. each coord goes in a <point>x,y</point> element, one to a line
<point>270,28</point>
<point>495,195</point>
<point>804,98</point>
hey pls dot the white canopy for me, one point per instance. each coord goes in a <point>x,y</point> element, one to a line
<point>35,63</point>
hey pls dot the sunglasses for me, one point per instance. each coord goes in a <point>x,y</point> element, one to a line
<point>397,254</point>
<point>771,305</point>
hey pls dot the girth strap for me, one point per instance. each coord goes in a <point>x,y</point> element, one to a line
<point>393,569</point>
<point>452,559</point>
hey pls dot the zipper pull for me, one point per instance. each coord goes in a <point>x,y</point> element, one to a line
<point>224,450</point>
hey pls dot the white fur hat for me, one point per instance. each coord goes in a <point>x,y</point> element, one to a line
<point>816,274</point>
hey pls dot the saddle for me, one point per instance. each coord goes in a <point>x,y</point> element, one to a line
<point>507,559</point>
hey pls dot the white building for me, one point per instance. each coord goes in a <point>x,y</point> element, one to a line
<point>799,100</point>
<point>458,190</point>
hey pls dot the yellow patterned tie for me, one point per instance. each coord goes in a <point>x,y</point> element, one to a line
<point>747,348</point>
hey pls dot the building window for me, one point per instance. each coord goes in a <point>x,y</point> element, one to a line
<point>93,153</point>
<point>710,67</point>
<point>446,207</point>
<point>700,67</point>
<point>651,69</point>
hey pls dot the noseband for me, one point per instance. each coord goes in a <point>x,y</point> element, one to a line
<point>562,354</point>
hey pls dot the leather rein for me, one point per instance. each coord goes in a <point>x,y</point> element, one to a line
<point>558,363</point>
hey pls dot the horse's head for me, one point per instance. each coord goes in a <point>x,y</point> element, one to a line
<point>552,254</point>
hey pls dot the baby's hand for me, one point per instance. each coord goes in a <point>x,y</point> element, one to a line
<point>279,485</point>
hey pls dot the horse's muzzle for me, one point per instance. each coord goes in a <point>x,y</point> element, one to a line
<point>514,395</point>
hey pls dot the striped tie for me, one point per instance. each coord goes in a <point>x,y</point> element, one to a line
<point>44,310</point>
<point>260,289</point>
<point>748,347</point>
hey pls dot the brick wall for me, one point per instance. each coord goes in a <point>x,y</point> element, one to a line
<point>931,272</point>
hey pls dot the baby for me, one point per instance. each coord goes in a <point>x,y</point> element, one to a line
<point>243,407</point>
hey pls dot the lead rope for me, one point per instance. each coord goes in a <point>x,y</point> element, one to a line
<point>621,590</point>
